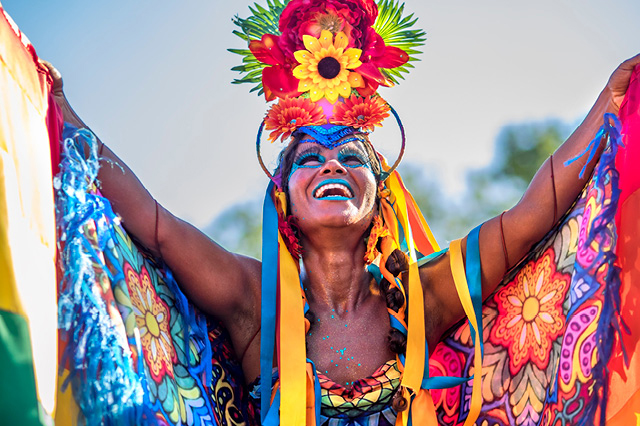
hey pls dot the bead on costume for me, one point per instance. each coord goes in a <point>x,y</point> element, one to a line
<point>320,64</point>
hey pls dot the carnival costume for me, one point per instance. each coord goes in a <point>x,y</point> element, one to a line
<point>542,349</point>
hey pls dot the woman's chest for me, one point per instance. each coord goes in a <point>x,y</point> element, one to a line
<point>349,347</point>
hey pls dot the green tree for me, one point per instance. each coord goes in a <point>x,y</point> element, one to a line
<point>519,151</point>
<point>239,228</point>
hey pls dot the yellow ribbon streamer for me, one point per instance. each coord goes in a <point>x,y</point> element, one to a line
<point>292,364</point>
<point>460,280</point>
<point>292,353</point>
<point>415,355</point>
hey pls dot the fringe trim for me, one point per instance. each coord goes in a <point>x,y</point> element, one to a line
<point>603,232</point>
<point>105,383</point>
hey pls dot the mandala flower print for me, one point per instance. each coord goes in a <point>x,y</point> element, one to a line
<point>311,17</point>
<point>530,313</point>
<point>152,319</point>
<point>324,69</point>
<point>291,113</point>
<point>363,113</point>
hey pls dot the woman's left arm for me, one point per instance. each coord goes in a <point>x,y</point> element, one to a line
<point>552,190</point>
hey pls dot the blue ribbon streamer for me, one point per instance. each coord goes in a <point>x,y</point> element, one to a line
<point>612,131</point>
<point>472,272</point>
<point>268,304</point>
<point>474,280</point>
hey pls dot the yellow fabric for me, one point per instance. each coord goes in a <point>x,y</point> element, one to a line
<point>292,353</point>
<point>415,355</point>
<point>311,396</point>
<point>67,410</point>
<point>424,411</point>
<point>27,225</point>
<point>460,280</point>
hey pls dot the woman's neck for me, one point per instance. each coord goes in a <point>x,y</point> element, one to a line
<point>334,274</point>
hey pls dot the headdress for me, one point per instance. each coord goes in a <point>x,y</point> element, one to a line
<point>320,64</point>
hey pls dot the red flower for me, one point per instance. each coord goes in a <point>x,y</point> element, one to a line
<point>362,113</point>
<point>376,54</point>
<point>289,114</point>
<point>289,230</point>
<point>310,17</point>
<point>278,79</point>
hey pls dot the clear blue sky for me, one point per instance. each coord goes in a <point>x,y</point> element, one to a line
<point>152,79</point>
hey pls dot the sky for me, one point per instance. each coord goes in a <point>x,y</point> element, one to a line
<point>152,79</point>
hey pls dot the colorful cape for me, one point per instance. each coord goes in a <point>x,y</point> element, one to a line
<point>561,334</point>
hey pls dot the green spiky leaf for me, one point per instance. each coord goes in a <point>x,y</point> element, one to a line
<point>264,20</point>
<point>397,31</point>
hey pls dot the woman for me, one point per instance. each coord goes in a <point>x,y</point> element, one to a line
<point>333,192</point>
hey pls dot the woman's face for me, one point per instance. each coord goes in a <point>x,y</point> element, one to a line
<point>331,187</point>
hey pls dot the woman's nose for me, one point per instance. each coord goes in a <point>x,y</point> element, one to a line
<point>333,166</point>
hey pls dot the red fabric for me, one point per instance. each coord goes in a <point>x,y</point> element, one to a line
<point>55,123</point>
<point>628,156</point>
<point>624,391</point>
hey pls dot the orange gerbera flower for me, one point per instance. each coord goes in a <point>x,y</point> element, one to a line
<point>361,113</point>
<point>289,114</point>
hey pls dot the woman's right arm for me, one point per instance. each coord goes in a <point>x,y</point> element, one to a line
<point>221,283</point>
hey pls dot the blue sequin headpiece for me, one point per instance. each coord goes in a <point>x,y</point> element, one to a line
<point>329,135</point>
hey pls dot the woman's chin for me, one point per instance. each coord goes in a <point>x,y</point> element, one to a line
<point>336,216</point>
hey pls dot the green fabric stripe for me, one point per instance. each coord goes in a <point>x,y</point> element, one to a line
<point>18,398</point>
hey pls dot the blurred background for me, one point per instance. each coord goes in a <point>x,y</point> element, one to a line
<point>500,84</point>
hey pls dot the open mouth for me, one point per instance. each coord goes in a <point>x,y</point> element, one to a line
<point>333,189</point>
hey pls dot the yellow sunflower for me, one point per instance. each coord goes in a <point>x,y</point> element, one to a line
<point>325,67</point>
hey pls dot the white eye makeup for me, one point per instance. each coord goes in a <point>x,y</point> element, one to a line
<point>353,157</point>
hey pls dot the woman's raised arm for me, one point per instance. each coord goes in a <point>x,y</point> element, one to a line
<point>552,190</point>
<point>505,239</point>
<point>219,282</point>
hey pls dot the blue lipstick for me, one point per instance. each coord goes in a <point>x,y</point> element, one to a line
<point>333,181</point>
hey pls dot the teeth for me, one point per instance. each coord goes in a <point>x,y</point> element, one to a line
<point>324,188</point>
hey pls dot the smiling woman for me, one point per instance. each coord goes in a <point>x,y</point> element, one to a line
<point>357,309</point>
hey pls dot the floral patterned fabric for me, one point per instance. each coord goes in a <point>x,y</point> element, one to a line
<point>176,365</point>
<point>540,329</point>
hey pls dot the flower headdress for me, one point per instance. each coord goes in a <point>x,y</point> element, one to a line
<point>320,64</point>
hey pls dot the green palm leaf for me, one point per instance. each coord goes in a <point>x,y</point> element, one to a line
<point>397,31</point>
<point>262,21</point>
